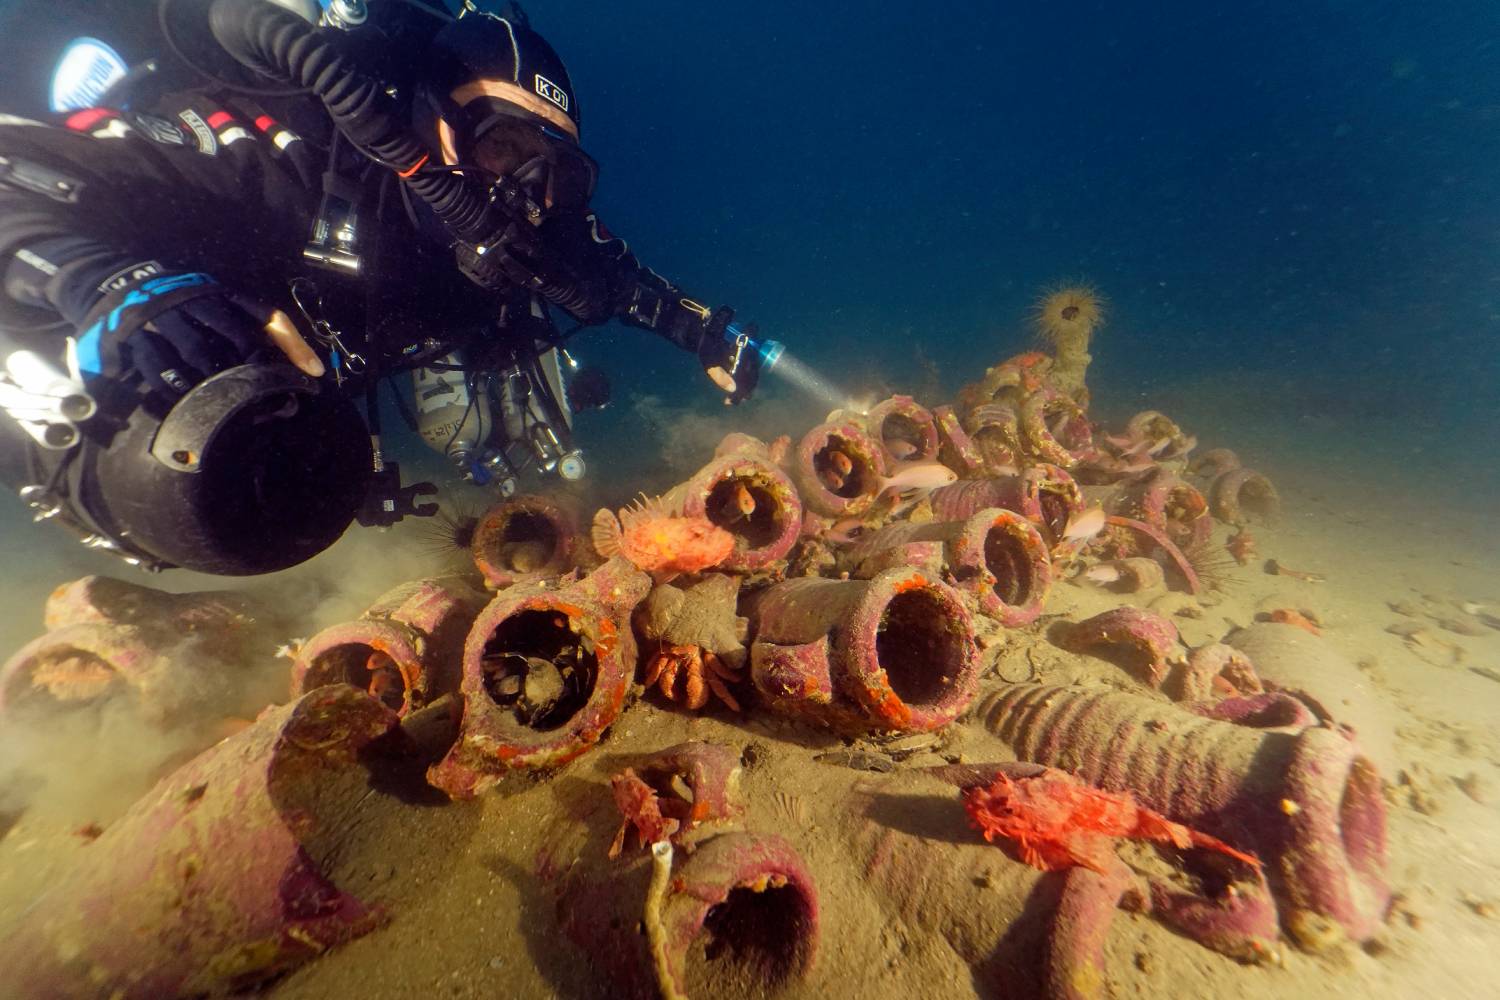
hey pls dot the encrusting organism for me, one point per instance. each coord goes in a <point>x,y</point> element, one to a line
<point>1066,318</point>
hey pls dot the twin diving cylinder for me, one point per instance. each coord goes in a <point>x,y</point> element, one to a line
<point>493,425</point>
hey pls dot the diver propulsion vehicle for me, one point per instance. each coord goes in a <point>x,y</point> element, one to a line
<point>260,467</point>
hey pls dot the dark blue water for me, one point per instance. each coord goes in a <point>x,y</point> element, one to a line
<point>1292,208</point>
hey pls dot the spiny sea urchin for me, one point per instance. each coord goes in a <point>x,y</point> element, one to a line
<point>1215,567</point>
<point>450,531</point>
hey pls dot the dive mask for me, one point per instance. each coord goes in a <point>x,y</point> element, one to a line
<point>547,162</point>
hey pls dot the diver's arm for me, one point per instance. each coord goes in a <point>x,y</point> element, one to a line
<point>203,190</point>
<point>639,297</point>
<point>107,211</point>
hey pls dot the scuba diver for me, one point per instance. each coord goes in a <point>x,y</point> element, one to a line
<point>208,265</point>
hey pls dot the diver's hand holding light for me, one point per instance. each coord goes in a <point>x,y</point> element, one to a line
<point>731,356</point>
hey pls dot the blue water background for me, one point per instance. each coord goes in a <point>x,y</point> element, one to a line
<point>1293,208</point>
<point>1300,202</point>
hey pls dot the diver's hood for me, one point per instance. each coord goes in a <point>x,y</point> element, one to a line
<point>482,68</point>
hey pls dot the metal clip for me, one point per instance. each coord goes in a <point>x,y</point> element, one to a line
<point>340,357</point>
<point>41,501</point>
<point>740,343</point>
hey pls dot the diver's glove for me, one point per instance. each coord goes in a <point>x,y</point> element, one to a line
<point>175,329</point>
<point>728,355</point>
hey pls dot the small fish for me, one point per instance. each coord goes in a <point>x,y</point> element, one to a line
<point>743,501</point>
<point>1082,527</point>
<point>840,463</point>
<point>900,450</point>
<point>388,686</point>
<point>919,476</point>
<point>1102,574</point>
<point>832,481</point>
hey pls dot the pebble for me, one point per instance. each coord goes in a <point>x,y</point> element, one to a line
<point>1474,787</point>
<point>1481,907</point>
<point>1463,625</point>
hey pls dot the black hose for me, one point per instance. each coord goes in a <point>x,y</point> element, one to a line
<point>278,44</point>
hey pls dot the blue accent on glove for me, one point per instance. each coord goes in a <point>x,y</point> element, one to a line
<point>88,351</point>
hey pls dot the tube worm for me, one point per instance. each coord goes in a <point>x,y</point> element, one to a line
<point>997,557</point>
<point>1214,463</point>
<point>904,429</point>
<point>1308,803</point>
<point>1168,504</point>
<point>1148,640</point>
<point>1055,429</point>
<point>744,493</point>
<point>545,672</point>
<point>1237,495</point>
<point>838,469</point>
<point>956,449</point>
<point>1044,494</point>
<point>523,539</point>
<point>218,879</point>
<point>405,649</point>
<point>995,430</point>
<point>893,653</point>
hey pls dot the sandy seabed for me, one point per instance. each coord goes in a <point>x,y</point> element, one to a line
<point>472,919</point>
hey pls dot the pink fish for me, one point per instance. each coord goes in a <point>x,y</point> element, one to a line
<point>1103,573</point>
<point>1082,529</point>
<point>900,450</point>
<point>919,476</point>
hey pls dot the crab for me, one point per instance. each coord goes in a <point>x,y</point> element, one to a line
<point>700,672</point>
<point>698,638</point>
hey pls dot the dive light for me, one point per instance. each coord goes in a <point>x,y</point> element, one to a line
<point>770,351</point>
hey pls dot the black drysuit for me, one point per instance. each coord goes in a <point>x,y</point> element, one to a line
<point>222,186</point>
